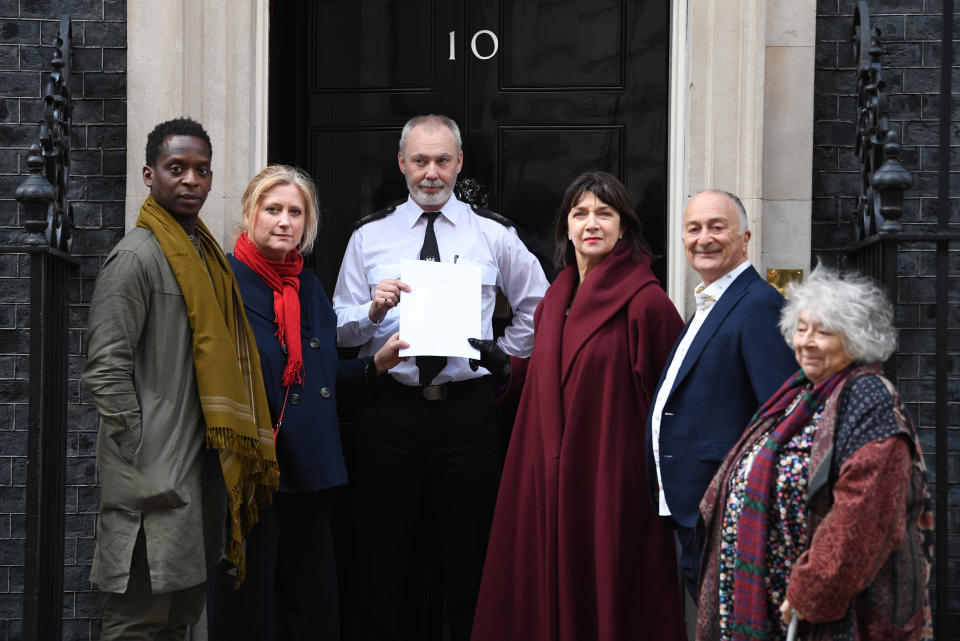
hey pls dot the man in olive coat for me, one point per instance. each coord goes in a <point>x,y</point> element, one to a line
<point>163,500</point>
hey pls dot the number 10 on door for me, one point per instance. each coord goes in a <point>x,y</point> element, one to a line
<point>491,36</point>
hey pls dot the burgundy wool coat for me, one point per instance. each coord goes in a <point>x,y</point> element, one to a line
<point>577,551</point>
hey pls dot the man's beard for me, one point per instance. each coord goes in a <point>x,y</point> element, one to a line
<point>425,199</point>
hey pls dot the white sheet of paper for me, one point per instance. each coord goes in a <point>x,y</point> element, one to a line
<point>441,310</point>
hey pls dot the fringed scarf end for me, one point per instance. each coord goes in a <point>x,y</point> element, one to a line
<point>236,558</point>
<point>224,438</point>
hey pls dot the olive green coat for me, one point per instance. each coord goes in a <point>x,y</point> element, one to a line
<point>153,467</point>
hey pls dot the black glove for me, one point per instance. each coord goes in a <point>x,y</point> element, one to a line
<point>494,359</point>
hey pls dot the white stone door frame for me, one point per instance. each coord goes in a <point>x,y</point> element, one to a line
<point>741,110</point>
<point>208,60</point>
<point>741,119</point>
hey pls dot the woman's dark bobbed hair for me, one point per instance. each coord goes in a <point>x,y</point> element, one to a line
<point>607,188</point>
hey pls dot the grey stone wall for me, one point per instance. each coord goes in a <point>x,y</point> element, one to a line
<point>28,28</point>
<point>911,31</point>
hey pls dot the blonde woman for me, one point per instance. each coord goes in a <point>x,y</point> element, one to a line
<point>290,590</point>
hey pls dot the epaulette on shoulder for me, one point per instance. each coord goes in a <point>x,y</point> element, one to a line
<point>377,215</point>
<point>492,215</point>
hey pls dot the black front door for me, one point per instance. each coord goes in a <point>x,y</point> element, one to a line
<point>542,90</point>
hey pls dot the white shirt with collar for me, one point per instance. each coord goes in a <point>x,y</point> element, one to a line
<point>706,297</point>
<point>374,253</point>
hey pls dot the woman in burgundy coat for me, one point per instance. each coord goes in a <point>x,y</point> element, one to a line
<point>577,551</point>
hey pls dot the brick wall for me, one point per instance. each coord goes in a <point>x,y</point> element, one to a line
<point>911,31</point>
<point>28,28</point>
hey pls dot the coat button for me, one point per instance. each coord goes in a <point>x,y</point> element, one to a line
<point>325,392</point>
<point>294,399</point>
<point>314,342</point>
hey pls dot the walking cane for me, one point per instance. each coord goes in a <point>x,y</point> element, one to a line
<point>792,630</point>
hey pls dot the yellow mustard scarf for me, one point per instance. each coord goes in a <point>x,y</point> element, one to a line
<point>227,366</point>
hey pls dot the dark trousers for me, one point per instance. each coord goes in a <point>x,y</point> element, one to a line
<point>416,457</point>
<point>139,614</point>
<point>290,590</point>
<point>691,549</point>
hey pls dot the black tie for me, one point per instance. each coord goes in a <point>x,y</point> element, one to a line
<point>430,366</point>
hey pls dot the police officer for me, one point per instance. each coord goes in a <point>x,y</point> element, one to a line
<point>431,444</point>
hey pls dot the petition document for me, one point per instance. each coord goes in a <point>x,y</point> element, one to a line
<point>441,310</point>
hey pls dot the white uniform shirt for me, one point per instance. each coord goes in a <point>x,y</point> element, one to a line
<point>374,253</point>
<point>706,299</point>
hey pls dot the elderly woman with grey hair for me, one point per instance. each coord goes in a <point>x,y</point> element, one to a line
<point>821,510</point>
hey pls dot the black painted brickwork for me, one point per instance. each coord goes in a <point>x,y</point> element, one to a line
<point>911,30</point>
<point>28,29</point>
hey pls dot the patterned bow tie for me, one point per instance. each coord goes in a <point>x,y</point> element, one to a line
<point>704,301</point>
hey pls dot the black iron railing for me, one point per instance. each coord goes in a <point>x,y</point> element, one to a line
<point>879,234</point>
<point>48,238</point>
<point>882,177</point>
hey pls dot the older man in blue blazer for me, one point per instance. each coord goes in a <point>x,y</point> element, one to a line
<point>730,358</point>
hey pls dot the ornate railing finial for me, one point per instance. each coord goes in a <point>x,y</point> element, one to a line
<point>883,178</point>
<point>49,161</point>
<point>36,194</point>
<point>891,179</point>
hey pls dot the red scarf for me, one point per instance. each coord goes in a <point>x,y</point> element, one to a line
<point>284,279</point>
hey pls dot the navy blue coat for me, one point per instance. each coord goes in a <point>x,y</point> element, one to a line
<point>736,362</point>
<point>308,445</point>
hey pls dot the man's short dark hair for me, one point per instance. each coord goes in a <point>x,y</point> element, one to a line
<point>175,127</point>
